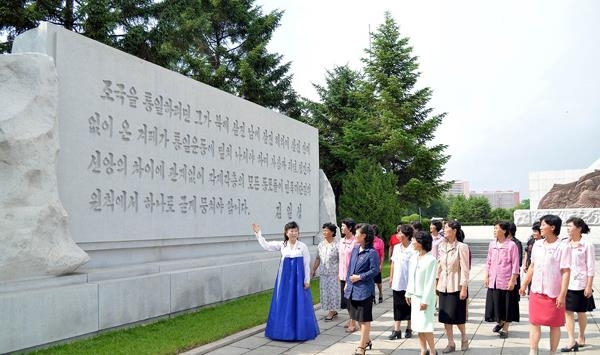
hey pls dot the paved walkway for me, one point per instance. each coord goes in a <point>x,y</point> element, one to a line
<point>333,340</point>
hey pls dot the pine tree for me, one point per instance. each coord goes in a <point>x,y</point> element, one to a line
<point>340,103</point>
<point>402,126</point>
<point>368,195</point>
<point>220,43</point>
<point>379,113</point>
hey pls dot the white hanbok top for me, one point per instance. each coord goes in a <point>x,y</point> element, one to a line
<point>297,250</point>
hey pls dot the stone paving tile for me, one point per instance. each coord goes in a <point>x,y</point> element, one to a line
<point>323,340</point>
<point>305,349</point>
<point>333,339</point>
<point>229,350</point>
<point>252,342</point>
<point>267,350</point>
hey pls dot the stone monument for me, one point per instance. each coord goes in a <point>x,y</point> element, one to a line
<point>160,177</point>
<point>567,193</point>
<point>34,235</point>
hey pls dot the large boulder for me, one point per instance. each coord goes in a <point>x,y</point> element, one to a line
<point>326,200</point>
<point>34,230</point>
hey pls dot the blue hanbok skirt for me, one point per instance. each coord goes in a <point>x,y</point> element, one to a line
<point>291,316</point>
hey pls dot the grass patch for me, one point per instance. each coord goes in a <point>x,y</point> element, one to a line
<point>184,332</point>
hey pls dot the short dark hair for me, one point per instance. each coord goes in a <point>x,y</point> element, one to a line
<point>349,222</point>
<point>579,223</point>
<point>288,226</point>
<point>504,225</point>
<point>552,220</point>
<point>367,229</point>
<point>407,230</point>
<point>417,226</point>
<point>332,227</point>
<point>536,226</point>
<point>425,239</point>
<point>437,224</point>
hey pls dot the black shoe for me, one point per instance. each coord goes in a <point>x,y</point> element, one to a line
<point>369,345</point>
<point>380,299</point>
<point>575,348</point>
<point>408,333</point>
<point>503,334</point>
<point>395,335</point>
<point>497,328</point>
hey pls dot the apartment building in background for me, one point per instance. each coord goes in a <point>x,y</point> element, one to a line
<point>460,187</point>
<point>500,199</point>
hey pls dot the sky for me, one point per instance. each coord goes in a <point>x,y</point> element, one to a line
<point>519,80</point>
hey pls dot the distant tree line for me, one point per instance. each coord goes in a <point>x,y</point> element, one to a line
<point>474,210</point>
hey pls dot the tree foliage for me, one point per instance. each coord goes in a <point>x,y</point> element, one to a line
<point>524,205</point>
<point>369,195</point>
<point>341,102</point>
<point>437,208</point>
<point>221,43</point>
<point>379,113</point>
<point>472,210</point>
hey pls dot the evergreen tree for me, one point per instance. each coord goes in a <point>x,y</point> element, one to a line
<point>402,124</point>
<point>220,43</point>
<point>223,44</point>
<point>340,103</point>
<point>369,195</point>
<point>378,113</point>
<point>107,21</point>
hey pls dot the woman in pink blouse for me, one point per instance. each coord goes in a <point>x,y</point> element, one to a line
<point>549,277</point>
<point>452,284</point>
<point>500,278</point>
<point>579,294</point>
<point>346,244</point>
<point>379,246</point>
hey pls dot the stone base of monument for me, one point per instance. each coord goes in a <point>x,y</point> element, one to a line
<point>99,299</point>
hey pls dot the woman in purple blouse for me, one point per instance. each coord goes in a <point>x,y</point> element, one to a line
<point>500,278</point>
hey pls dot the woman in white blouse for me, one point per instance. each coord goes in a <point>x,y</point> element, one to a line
<point>328,259</point>
<point>291,316</point>
<point>579,294</point>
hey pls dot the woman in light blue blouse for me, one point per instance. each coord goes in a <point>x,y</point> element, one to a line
<point>420,291</point>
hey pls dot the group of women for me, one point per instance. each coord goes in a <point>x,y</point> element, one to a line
<point>561,272</point>
<point>425,272</point>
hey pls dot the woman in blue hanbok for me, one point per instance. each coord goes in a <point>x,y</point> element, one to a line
<point>291,316</point>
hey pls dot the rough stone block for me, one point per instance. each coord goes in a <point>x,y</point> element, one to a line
<point>35,235</point>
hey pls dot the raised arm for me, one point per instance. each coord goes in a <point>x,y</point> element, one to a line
<point>266,245</point>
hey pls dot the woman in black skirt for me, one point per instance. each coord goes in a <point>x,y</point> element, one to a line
<point>359,288</point>
<point>579,293</point>
<point>452,284</point>
<point>500,278</point>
